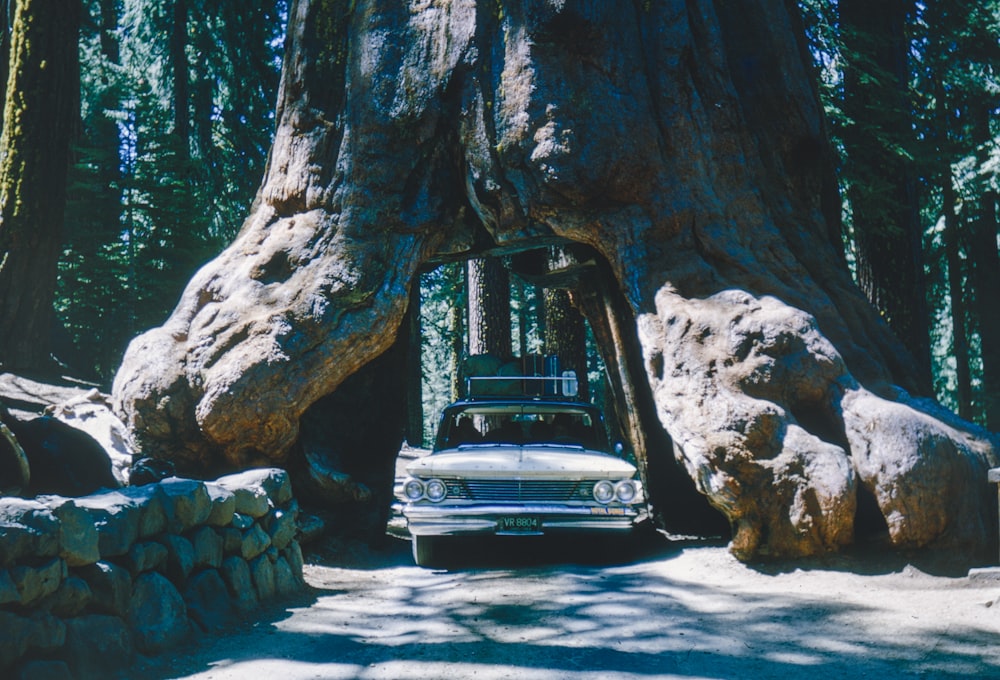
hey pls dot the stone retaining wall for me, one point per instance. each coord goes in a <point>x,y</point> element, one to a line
<point>87,583</point>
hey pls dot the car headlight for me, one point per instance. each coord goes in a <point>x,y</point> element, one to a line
<point>625,491</point>
<point>435,490</point>
<point>604,491</point>
<point>413,489</point>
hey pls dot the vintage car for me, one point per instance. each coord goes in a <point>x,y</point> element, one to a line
<point>521,465</point>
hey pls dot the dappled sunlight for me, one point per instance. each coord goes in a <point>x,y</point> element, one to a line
<point>694,613</point>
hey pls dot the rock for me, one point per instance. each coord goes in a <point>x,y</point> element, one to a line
<point>124,516</point>
<point>286,582</point>
<point>293,554</point>
<point>70,599</point>
<point>46,633</point>
<point>281,526</point>
<point>208,602</point>
<point>236,575</point>
<point>91,413</point>
<point>150,470</point>
<point>14,635</point>
<point>40,631</point>
<point>232,540</point>
<point>274,482</point>
<point>15,473</point>
<point>78,537</point>
<point>33,583</point>
<point>252,500</point>
<point>63,460</point>
<point>157,614</point>
<point>188,504</point>
<point>111,586</point>
<point>255,541</point>
<point>98,645</point>
<point>148,556</point>
<point>8,591</point>
<point>223,505</point>
<point>262,573</point>
<point>241,521</point>
<point>27,528</point>
<point>207,547</point>
<point>180,557</point>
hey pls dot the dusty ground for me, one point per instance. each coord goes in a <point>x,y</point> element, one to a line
<point>680,610</point>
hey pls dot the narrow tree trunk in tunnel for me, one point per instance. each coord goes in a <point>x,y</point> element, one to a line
<point>565,332</point>
<point>489,320</point>
<point>677,505</point>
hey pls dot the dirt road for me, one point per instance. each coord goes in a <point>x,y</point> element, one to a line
<point>683,611</point>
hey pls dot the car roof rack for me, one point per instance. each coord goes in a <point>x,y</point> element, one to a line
<point>565,386</point>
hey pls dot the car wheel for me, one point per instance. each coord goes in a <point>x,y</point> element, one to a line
<point>426,550</point>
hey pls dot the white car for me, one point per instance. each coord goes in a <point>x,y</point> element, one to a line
<point>518,466</point>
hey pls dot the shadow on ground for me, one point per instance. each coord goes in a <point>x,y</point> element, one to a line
<point>573,610</point>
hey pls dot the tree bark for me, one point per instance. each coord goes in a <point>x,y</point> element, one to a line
<point>456,326</point>
<point>956,290</point>
<point>489,320</point>
<point>565,329</point>
<point>40,114</point>
<point>566,335</point>
<point>986,278</point>
<point>179,62</point>
<point>414,431</point>
<point>684,144</point>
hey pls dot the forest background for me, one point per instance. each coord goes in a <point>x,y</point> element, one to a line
<point>170,120</point>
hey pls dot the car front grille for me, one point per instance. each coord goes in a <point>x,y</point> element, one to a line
<point>513,490</point>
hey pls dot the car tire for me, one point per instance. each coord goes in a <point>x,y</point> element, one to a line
<point>426,550</point>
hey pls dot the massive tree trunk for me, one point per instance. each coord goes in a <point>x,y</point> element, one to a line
<point>683,144</point>
<point>41,109</point>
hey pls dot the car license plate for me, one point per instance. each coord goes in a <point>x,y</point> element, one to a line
<point>518,525</point>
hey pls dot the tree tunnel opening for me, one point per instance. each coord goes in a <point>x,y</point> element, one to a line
<point>551,301</point>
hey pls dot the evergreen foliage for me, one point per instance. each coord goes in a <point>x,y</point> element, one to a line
<point>952,142</point>
<point>148,205</point>
<point>151,197</point>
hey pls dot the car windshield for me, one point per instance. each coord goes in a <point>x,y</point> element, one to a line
<point>520,425</point>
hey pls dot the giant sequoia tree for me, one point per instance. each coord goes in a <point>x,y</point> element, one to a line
<point>682,145</point>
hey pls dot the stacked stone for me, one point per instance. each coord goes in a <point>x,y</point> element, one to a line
<point>86,583</point>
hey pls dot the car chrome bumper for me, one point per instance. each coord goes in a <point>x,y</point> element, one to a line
<point>428,520</point>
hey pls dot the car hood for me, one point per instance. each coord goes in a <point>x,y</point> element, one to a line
<point>521,461</point>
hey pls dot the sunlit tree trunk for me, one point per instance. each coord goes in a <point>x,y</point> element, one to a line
<point>40,114</point>
<point>956,294</point>
<point>489,308</point>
